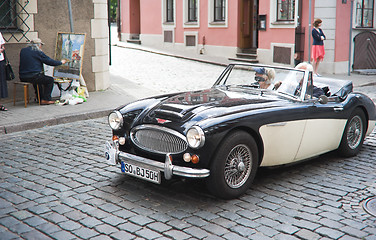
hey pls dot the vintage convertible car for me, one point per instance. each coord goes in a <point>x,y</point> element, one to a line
<point>225,133</point>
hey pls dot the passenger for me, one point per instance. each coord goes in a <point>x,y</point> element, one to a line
<point>265,77</point>
<point>316,91</point>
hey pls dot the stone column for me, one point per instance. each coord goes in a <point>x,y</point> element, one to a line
<point>326,11</point>
<point>100,32</point>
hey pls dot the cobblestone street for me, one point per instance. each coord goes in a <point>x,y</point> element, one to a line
<point>55,184</point>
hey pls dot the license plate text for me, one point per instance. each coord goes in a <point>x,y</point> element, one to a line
<point>140,172</point>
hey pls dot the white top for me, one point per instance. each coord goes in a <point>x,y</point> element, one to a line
<point>271,86</point>
<point>1,44</point>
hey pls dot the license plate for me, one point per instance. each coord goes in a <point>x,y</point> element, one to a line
<point>141,172</point>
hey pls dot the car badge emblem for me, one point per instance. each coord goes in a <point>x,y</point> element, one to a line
<point>162,121</point>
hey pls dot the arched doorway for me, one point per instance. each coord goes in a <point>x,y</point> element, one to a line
<point>365,51</point>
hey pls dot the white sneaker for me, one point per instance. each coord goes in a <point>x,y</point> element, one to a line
<point>318,75</point>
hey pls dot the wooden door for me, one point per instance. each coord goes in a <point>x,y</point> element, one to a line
<point>247,24</point>
<point>365,51</point>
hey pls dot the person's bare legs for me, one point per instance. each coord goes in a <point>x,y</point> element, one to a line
<point>316,63</point>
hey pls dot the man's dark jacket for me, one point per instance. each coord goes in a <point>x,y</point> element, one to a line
<point>31,62</point>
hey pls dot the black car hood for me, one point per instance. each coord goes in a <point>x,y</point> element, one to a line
<point>209,103</point>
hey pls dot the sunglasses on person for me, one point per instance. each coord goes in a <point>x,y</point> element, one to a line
<point>259,79</point>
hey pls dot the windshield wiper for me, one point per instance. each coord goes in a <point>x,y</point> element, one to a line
<point>249,86</point>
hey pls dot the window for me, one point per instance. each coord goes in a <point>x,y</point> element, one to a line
<point>364,13</point>
<point>285,10</point>
<point>168,14</point>
<point>217,13</point>
<point>192,10</point>
<point>191,13</point>
<point>170,11</point>
<point>13,16</point>
<point>8,14</point>
<point>219,10</point>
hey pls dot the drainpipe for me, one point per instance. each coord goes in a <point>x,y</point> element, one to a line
<point>350,34</point>
<point>309,31</point>
<point>202,50</point>
<point>70,16</point>
<point>109,31</point>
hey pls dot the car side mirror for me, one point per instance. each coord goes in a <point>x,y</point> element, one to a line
<point>323,99</point>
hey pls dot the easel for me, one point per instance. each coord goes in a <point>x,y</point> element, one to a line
<point>60,81</point>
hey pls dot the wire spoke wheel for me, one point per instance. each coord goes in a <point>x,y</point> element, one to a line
<point>238,166</point>
<point>234,166</point>
<point>353,135</point>
<point>354,132</point>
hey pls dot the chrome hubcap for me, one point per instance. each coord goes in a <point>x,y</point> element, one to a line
<point>241,167</point>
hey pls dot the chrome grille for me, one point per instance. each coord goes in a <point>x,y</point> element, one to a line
<point>158,139</point>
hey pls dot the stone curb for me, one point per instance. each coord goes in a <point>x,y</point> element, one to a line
<point>11,128</point>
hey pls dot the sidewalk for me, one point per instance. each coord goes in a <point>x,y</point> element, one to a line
<point>99,104</point>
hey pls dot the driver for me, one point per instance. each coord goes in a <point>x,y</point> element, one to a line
<point>264,77</point>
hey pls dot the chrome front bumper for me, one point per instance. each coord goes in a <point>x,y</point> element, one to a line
<point>114,156</point>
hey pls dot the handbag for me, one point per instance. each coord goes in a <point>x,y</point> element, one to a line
<point>9,74</point>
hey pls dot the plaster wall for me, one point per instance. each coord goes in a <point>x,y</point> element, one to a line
<point>215,35</point>
<point>47,18</point>
<point>282,35</point>
<point>125,15</point>
<point>342,39</point>
<point>151,16</point>
<point>156,41</point>
<point>48,25</point>
<point>152,27</point>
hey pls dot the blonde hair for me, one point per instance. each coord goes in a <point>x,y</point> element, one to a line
<point>316,22</point>
<point>271,75</point>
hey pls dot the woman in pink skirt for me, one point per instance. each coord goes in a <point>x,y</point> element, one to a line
<point>318,51</point>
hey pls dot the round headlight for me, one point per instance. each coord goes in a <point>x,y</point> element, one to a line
<point>115,120</point>
<point>195,137</point>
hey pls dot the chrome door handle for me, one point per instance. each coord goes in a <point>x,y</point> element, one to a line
<point>276,124</point>
<point>338,109</point>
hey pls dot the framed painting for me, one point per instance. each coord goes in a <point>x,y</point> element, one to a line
<point>69,46</point>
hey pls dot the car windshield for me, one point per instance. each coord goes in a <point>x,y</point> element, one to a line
<point>279,80</point>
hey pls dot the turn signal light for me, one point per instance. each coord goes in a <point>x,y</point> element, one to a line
<point>195,159</point>
<point>115,138</point>
<point>188,158</point>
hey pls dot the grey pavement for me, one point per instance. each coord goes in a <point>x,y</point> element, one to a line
<point>56,184</point>
<point>138,72</point>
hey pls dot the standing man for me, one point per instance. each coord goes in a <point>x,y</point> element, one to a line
<point>31,69</point>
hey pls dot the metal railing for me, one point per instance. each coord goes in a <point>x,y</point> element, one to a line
<point>13,17</point>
